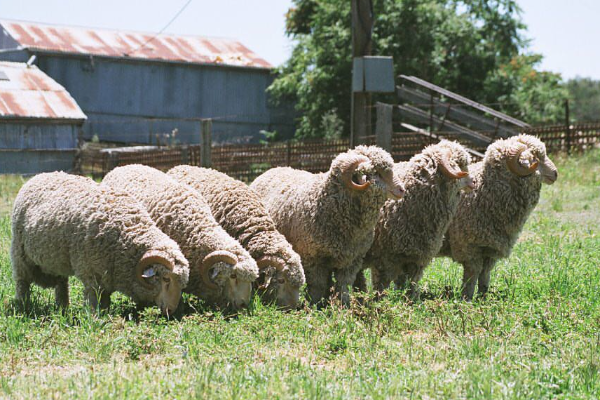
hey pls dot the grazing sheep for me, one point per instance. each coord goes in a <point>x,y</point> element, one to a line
<point>490,218</point>
<point>221,271</point>
<point>329,218</point>
<point>242,214</point>
<point>410,231</point>
<point>65,225</point>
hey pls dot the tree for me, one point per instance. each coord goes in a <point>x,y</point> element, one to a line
<point>585,99</point>
<point>464,45</point>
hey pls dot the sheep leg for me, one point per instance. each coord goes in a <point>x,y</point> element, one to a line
<point>344,278</point>
<point>360,283</point>
<point>93,295</point>
<point>23,292</point>
<point>381,280</point>
<point>471,272</point>
<point>318,283</point>
<point>105,300</point>
<point>484,276</point>
<point>61,293</point>
<point>414,274</point>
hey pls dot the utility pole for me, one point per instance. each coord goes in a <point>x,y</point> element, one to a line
<point>362,29</point>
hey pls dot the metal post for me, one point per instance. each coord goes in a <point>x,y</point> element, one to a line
<point>383,127</point>
<point>568,126</point>
<point>206,143</point>
<point>362,29</point>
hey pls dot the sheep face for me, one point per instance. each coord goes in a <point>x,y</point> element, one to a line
<point>277,284</point>
<point>164,287</point>
<point>525,156</point>
<point>226,279</point>
<point>368,169</point>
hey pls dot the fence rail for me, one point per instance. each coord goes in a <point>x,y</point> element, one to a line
<point>245,162</point>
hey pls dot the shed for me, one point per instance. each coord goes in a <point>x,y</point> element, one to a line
<point>39,121</point>
<point>134,86</point>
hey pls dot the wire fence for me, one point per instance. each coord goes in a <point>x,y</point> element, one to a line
<point>247,161</point>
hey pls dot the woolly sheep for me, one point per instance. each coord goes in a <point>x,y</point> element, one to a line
<point>242,214</point>
<point>490,218</point>
<point>221,271</point>
<point>410,231</point>
<point>65,225</point>
<point>329,218</point>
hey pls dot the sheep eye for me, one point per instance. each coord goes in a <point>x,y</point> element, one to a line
<point>166,279</point>
<point>233,276</point>
<point>281,281</point>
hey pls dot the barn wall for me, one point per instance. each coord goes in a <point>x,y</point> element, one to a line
<point>131,101</point>
<point>31,161</point>
<point>37,136</point>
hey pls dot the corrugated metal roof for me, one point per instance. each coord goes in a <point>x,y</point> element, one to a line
<point>30,93</point>
<point>164,47</point>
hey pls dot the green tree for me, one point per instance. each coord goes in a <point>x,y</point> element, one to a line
<point>585,99</point>
<point>463,45</point>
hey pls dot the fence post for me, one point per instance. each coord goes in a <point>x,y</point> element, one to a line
<point>383,127</point>
<point>568,126</point>
<point>206,143</point>
<point>185,155</point>
<point>289,153</point>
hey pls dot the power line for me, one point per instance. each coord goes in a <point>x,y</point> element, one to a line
<point>163,29</point>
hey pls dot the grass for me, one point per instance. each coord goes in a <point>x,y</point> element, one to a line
<point>536,336</point>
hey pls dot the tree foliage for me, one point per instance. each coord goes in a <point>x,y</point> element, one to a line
<point>473,47</point>
<point>585,99</point>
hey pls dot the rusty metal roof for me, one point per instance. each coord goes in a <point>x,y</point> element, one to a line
<point>27,92</point>
<point>136,45</point>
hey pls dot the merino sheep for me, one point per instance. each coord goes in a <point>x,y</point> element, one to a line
<point>329,218</point>
<point>221,271</point>
<point>410,231</point>
<point>242,214</point>
<point>65,225</point>
<point>490,218</point>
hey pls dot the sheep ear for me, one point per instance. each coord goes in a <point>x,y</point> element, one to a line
<point>148,272</point>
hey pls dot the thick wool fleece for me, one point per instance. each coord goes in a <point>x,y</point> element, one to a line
<point>242,214</point>
<point>65,225</point>
<point>330,226</point>
<point>490,218</point>
<point>410,231</point>
<point>185,216</point>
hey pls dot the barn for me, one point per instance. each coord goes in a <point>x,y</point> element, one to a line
<point>135,87</point>
<point>40,123</point>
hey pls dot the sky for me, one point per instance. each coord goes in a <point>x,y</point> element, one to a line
<point>567,33</point>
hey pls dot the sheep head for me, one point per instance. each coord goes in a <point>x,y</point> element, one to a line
<point>274,282</point>
<point>452,171</point>
<point>358,173</point>
<point>155,272</point>
<point>218,273</point>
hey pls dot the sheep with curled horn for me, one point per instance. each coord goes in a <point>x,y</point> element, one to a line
<point>490,218</point>
<point>221,270</point>
<point>329,218</point>
<point>410,231</point>
<point>239,210</point>
<point>65,225</point>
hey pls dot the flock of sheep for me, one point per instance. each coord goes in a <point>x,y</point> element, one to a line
<point>151,235</point>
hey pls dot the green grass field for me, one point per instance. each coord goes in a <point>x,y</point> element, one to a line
<point>537,335</point>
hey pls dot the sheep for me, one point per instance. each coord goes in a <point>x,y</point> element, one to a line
<point>221,270</point>
<point>490,218</point>
<point>329,218</point>
<point>410,231</point>
<point>239,210</point>
<point>65,225</point>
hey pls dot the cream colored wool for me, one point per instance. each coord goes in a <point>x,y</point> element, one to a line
<point>242,214</point>
<point>489,219</point>
<point>328,224</point>
<point>65,225</point>
<point>184,215</point>
<point>410,231</point>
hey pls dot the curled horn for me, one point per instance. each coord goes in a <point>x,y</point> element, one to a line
<point>153,257</point>
<point>449,170</point>
<point>212,259</point>
<point>513,161</point>
<point>348,171</point>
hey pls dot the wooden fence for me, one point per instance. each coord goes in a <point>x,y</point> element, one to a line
<point>246,161</point>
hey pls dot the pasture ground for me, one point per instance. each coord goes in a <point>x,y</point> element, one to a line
<point>537,335</point>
